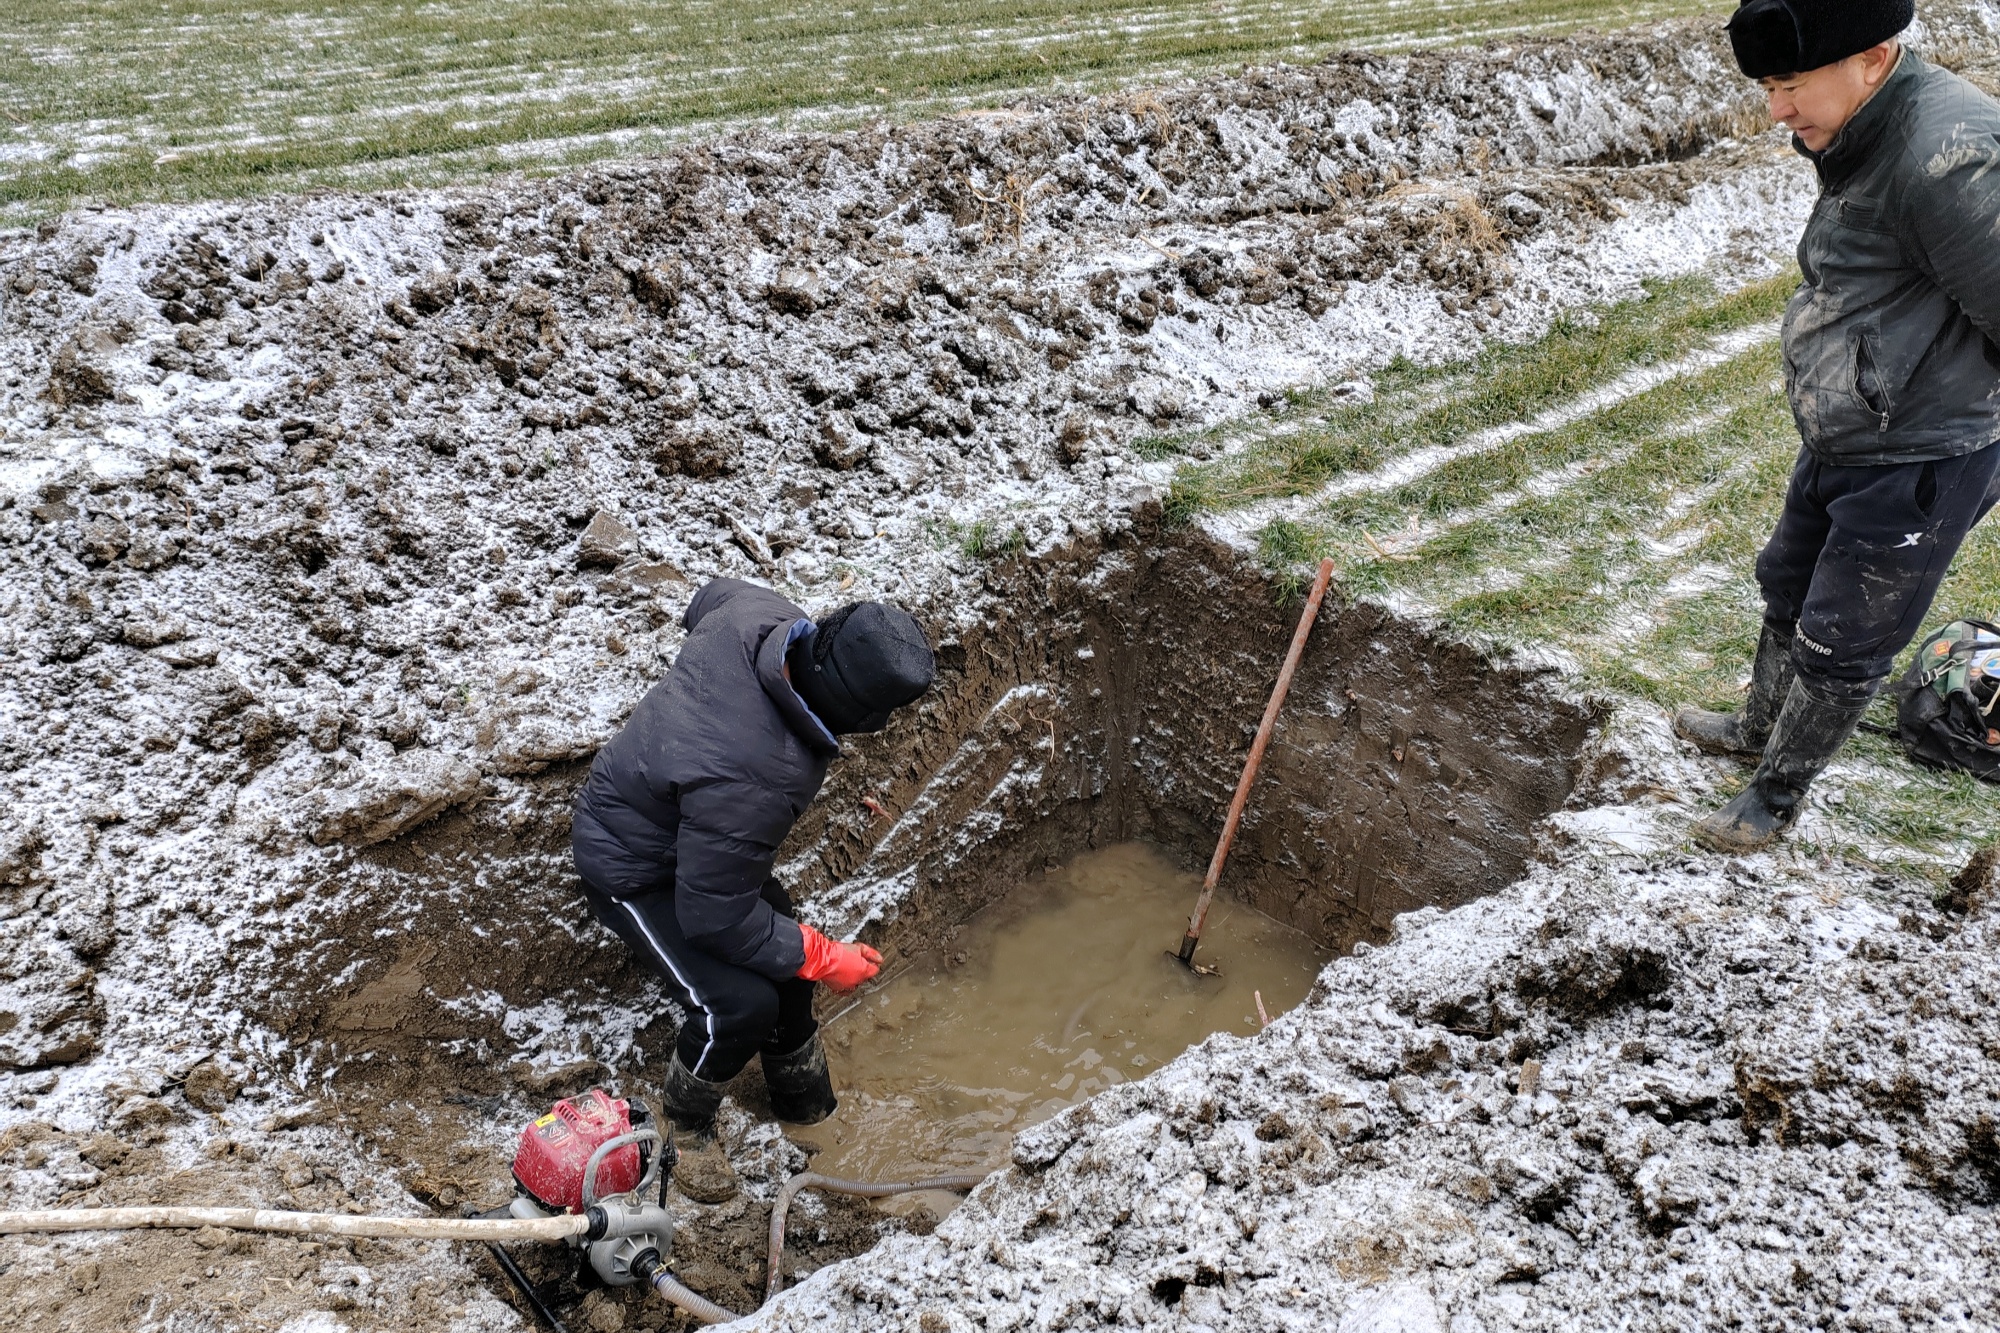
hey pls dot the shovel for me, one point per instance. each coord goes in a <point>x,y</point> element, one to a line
<point>1243,784</point>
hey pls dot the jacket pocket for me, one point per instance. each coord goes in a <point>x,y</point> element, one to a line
<point>1868,386</point>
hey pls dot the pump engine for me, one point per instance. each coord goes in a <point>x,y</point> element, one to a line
<point>597,1155</point>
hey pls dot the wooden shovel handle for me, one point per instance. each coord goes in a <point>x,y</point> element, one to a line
<point>1257,747</point>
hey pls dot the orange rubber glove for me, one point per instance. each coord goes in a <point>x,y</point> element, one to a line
<point>841,966</point>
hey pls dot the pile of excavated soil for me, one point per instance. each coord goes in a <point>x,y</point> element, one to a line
<point>1666,1095</point>
<point>336,533</point>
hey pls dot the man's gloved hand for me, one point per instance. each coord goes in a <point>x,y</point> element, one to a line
<point>841,966</point>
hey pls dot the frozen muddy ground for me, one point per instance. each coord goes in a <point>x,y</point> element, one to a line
<point>1684,1094</point>
<point>327,518</point>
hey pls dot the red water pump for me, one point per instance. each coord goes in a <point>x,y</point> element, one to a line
<point>556,1152</point>
<point>597,1155</point>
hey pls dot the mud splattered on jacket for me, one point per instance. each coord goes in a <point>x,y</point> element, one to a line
<point>1892,345</point>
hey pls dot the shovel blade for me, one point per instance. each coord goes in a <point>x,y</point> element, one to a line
<point>1186,958</point>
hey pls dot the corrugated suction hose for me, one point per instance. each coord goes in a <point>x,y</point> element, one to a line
<point>700,1307</point>
<point>774,1274</point>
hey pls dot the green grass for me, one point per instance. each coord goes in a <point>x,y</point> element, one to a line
<point>1622,534</point>
<point>981,539</point>
<point>129,100</point>
<point>1418,407</point>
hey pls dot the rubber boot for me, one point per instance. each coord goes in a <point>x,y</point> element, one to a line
<point>701,1168</point>
<point>1744,732</point>
<point>1809,732</point>
<point>800,1083</point>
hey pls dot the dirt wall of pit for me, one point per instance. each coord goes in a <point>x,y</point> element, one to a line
<point>1113,693</point>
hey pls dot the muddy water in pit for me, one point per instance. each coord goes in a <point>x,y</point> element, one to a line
<point>1065,989</point>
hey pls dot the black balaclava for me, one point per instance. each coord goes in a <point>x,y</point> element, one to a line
<point>859,664</point>
<point>1774,38</point>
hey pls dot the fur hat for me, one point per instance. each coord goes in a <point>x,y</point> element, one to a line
<point>1779,37</point>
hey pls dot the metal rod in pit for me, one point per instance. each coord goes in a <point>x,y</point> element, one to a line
<point>1257,747</point>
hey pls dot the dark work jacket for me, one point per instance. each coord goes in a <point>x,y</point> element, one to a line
<point>714,767</point>
<point>1892,345</point>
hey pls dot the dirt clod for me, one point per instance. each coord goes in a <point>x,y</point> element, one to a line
<point>705,1175</point>
<point>211,1085</point>
<point>1975,890</point>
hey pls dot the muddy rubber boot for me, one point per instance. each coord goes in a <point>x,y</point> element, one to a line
<point>801,1085</point>
<point>1745,732</point>
<point>1808,734</point>
<point>701,1168</point>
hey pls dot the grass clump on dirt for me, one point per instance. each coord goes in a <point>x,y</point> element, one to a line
<point>133,100</point>
<point>1546,499</point>
<point>981,539</point>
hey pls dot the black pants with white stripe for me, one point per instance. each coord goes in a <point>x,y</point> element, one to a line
<point>733,1013</point>
<point>1858,555</point>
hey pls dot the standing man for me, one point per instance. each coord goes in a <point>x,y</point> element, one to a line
<point>678,824</point>
<point>1892,363</point>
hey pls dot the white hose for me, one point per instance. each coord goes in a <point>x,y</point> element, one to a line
<point>554,1229</point>
<point>295,1224</point>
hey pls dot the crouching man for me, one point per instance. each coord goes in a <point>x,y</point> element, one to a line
<point>1892,363</point>
<point>678,824</point>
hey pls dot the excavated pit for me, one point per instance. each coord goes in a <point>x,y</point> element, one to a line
<point>1098,694</point>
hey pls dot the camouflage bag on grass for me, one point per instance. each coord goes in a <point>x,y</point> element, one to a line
<point>1948,702</point>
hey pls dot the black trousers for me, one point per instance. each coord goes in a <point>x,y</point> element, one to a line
<point>732,1012</point>
<point>1857,557</point>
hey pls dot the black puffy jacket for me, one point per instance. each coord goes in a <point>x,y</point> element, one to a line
<point>1892,345</point>
<point>707,777</point>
